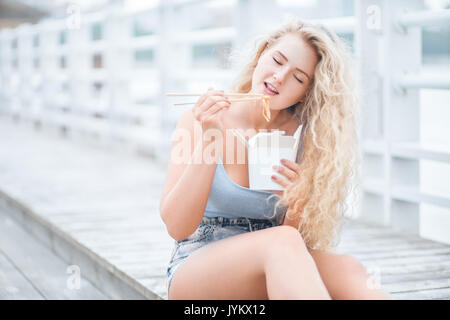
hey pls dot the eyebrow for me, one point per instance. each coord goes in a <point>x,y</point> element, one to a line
<point>296,68</point>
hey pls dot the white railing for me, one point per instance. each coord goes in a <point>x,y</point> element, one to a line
<point>113,87</point>
<point>421,81</point>
<point>339,25</point>
<point>425,19</point>
<point>389,46</point>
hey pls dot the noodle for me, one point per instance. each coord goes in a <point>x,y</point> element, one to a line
<point>266,108</point>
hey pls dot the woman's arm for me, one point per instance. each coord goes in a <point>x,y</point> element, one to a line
<point>187,185</point>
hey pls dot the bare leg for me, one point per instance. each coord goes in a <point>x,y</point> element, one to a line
<point>291,272</point>
<point>256,265</point>
<point>346,278</point>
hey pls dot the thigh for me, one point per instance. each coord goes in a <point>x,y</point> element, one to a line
<point>230,268</point>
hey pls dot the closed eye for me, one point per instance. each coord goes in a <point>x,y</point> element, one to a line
<point>280,64</point>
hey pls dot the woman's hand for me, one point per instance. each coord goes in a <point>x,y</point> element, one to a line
<point>289,171</point>
<point>209,108</point>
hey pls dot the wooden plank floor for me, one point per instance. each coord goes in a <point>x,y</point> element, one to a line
<point>30,271</point>
<point>108,201</point>
<point>407,266</point>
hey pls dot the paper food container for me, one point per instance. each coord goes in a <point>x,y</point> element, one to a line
<point>265,150</point>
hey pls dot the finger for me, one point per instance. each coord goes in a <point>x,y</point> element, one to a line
<point>201,100</point>
<point>211,101</point>
<point>216,92</point>
<point>217,107</point>
<point>288,173</point>
<point>281,181</point>
<point>294,166</point>
<point>205,96</point>
<point>212,91</point>
<point>207,103</point>
<point>209,93</point>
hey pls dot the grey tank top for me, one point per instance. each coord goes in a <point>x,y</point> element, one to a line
<point>231,200</point>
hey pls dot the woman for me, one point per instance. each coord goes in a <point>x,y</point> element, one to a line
<point>226,247</point>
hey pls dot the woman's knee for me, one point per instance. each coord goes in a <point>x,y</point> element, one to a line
<point>287,238</point>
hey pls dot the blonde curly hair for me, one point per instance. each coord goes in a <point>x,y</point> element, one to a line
<point>330,157</point>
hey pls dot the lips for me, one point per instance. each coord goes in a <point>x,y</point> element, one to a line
<point>270,88</point>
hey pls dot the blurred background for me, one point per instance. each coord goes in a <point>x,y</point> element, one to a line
<point>99,70</point>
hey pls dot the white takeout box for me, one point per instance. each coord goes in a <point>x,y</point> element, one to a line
<point>265,150</point>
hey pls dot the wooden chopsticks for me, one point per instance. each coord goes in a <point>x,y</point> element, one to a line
<point>245,97</point>
<point>225,94</point>
<point>231,100</point>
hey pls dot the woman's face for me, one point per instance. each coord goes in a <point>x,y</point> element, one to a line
<point>289,67</point>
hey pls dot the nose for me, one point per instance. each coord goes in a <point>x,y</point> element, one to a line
<point>278,77</point>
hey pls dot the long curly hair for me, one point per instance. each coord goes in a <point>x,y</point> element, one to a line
<point>330,157</point>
